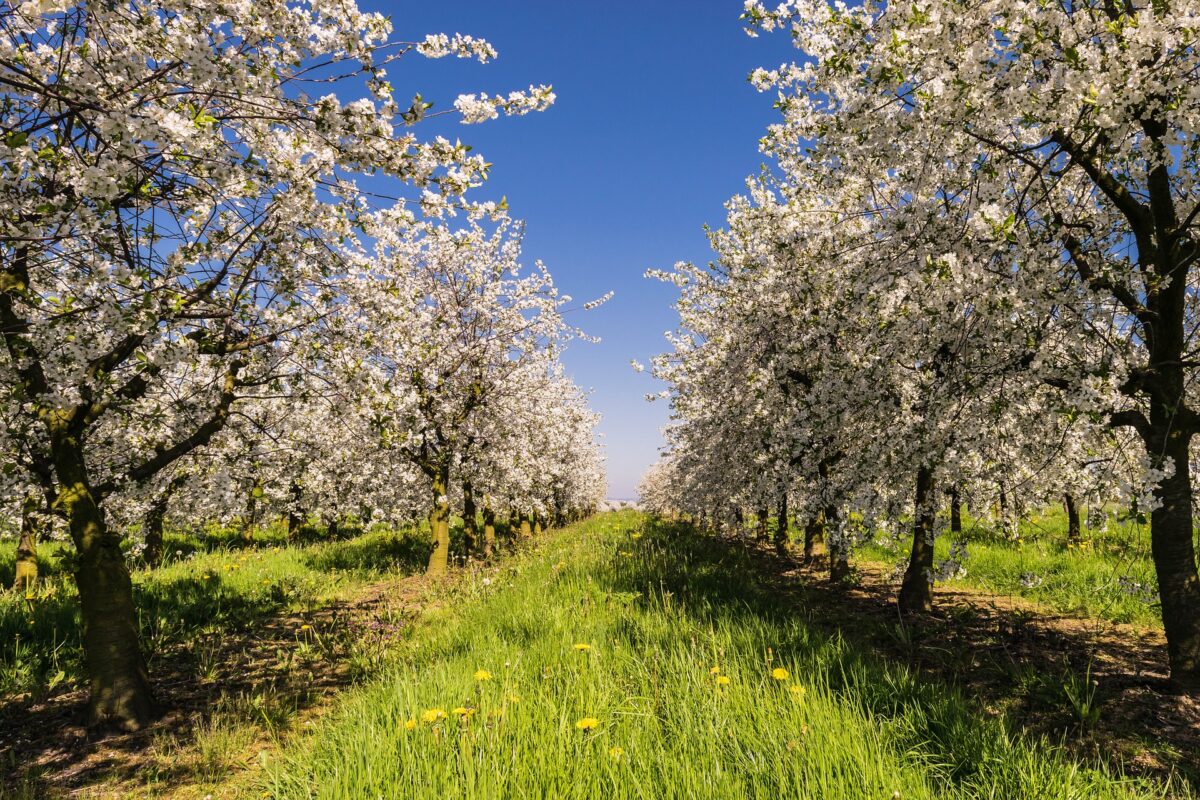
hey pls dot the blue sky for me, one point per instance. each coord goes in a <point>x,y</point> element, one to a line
<point>655,127</point>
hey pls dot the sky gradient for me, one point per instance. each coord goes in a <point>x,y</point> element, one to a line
<point>655,127</point>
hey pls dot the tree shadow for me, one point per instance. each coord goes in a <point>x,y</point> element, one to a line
<point>974,668</point>
<point>212,646</point>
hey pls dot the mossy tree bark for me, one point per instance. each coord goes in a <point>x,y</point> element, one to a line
<point>916,591</point>
<point>27,564</point>
<point>439,523</point>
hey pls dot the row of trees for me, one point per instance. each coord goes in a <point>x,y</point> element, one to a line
<point>970,277</point>
<point>226,292</point>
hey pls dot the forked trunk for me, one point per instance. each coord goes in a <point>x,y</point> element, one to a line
<point>916,592</point>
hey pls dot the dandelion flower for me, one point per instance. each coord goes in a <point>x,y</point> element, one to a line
<point>615,753</point>
<point>306,627</point>
<point>433,715</point>
<point>714,671</point>
<point>797,690</point>
<point>581,647</point>
<point>482,675</point>
<point>410,724</point>
<point>722,680</point>
<point>462,711</point>
<point>587,724</point>
<point>779,674</point>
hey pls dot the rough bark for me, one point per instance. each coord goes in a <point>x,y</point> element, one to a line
<point>120,687</point>
<point>916,592</point>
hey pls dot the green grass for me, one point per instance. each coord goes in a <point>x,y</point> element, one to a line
<point>209,584</point>
<point>1093,580</point>
<point>658,612</point>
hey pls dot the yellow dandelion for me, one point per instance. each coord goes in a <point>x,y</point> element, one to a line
<point>410,724</point>
<point>797,690</point>
<point>306,627</point>
<point>482,675</point>
<point>722,680</point>
<point>779,674</point>
<point>581,647</point>
<point>463,711</point>
<point>615,753</point>
<point>433,715</point>
<point>587,724</point>
<point>715,671</point>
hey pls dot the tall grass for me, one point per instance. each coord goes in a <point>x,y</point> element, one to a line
<point>211,583</point>
<point>634,659</point>
<point>1109,575</point>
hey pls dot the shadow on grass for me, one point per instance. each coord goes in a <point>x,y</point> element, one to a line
<point>209,639</point>
<point>953,683</point>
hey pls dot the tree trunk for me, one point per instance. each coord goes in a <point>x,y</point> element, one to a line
<point>120,687</point>
<point>27,564</point>
<point>916,592</point>
<point>814,533</point>
<point>1073,532</point>
<point>781,529</point>
<point>839,555</point>
<point>251,512</point>
<point>489,532</point>
<point>152,530</point>
<point>439,524</point>
<point>1172,545</point>
<point>955,511</point>
<point>470,522</point>
<point>526,529</point>
<point>764,525</point>
<point>295,517</point>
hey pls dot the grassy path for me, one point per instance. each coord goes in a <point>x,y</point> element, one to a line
<point>625,660</point>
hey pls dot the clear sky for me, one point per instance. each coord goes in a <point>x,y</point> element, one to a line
<point>655,127</point>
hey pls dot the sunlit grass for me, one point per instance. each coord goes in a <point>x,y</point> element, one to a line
<point>612,663</point>
<point>1109,575</point>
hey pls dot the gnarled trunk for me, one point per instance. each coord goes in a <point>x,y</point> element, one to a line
<point>916,592</point>
<point>120,687</point>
